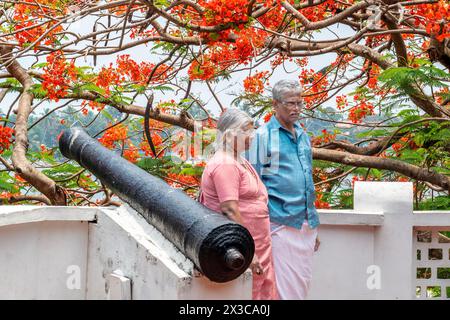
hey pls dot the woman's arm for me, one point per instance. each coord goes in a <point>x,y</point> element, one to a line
<point>230,208</point>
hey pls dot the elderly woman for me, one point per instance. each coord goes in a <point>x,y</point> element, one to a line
<point>230,185</point>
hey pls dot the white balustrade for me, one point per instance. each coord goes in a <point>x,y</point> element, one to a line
<point>381,249</point>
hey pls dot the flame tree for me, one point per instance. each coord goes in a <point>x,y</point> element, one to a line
<point>385,82</point>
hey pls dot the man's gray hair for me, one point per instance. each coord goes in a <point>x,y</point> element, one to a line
<point>283,87</point>
<point>231,119</point>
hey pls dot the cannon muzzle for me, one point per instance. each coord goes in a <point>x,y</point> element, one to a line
<point>220,248</point>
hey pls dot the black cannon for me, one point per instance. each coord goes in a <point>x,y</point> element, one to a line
<point>220,248</point>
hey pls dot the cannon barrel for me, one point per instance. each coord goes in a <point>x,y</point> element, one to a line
<point>220,248</point>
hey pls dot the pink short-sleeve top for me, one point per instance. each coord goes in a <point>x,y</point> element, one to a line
<point>224,178</point>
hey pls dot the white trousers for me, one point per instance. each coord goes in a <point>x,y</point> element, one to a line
<point>293,251</point>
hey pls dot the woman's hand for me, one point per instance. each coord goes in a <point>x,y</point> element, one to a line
<point>256,266</point>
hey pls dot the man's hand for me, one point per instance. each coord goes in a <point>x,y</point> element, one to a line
<point>317,244</point>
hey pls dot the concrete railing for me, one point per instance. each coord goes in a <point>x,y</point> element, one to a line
<point>95,253</point>
<point>370,252</point>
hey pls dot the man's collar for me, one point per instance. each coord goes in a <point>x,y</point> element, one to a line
<point>275,124</point>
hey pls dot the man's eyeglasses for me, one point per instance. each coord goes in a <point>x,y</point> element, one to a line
<point>293,104</point>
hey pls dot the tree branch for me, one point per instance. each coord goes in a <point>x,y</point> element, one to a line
<point>20,162</point>
<point>409,170</point>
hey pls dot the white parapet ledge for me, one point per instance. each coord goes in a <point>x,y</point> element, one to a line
<point>350,217</point>
<point>12,215</point>
<point>431,218</point>
<point>151,239</point>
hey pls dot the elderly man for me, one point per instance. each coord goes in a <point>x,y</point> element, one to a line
<point>281,154</point>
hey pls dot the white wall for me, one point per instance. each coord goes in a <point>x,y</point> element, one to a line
<point>339,270</point>
<point>38,257</point>
<point>118,255</point>
<point>375,239</point>
<point>109,253</point>
<point>35,258</point>
<point>121,239</point>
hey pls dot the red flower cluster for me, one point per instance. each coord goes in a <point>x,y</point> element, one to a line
<point>203,69</point>
<point>320,203</point>
<point>181,180</point>
<point>320,174</point>
<point>435,17</point>
<point>58,76</point>
<point>106,77</point>
<point>321,11</point>
<point>302,62</point>
<point>139,72</point>
<point>117,136</point>
<point>222,55</point>
<point>373,76</point>
<point>325,137</point>
<point>224,11</point>
<point>318,84</point>
<point>157,142</point>
<point>255,84</point>
<point>268,116</point>
<point>113,135</point>
<point>131,154</point>
<point>128,70</point>
<point>404,142</point>
<point>221,12</point>
<point>209,123</point>
<point>341,102</point>
<point>5,196</point>
<point>27,16</point>
<point>440,94</point>
<point>360,111</point>
<point>375,41</point>
<point>278,60</point>
<point>94,105</point>
<point>6,134</point>
<point>273,18</point>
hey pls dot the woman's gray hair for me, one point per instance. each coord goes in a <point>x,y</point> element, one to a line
<point>231,119</point>
<point>282,87</point>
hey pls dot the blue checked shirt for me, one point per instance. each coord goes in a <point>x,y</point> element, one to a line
<point>284,164</point>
